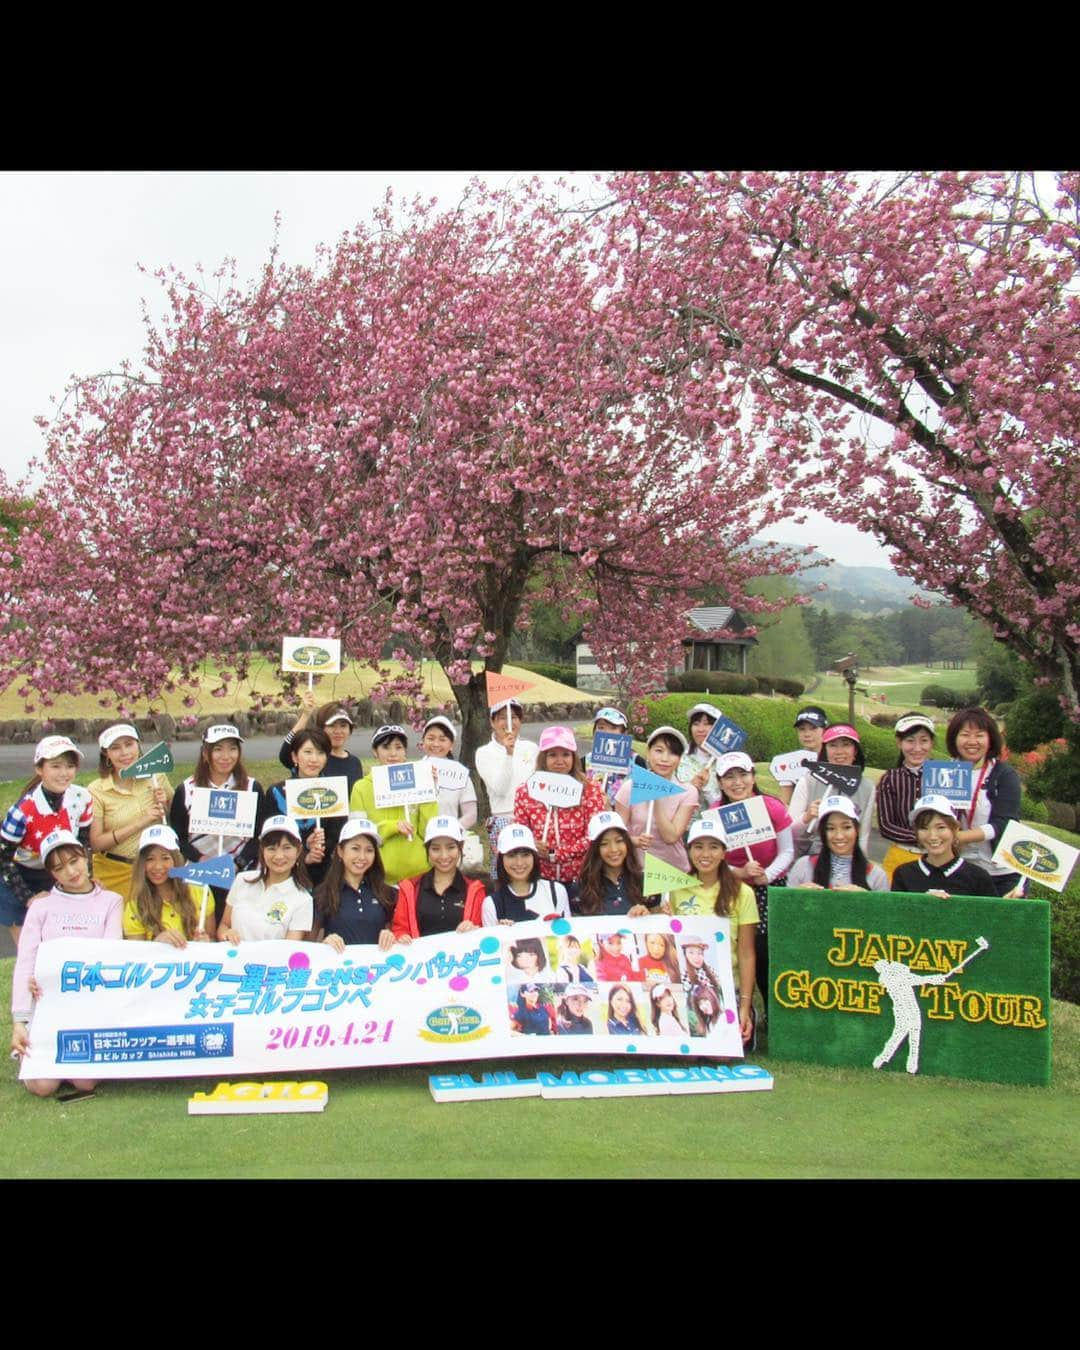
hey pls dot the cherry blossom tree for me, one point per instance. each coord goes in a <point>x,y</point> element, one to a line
<point>392,441</point>
<point>909,353</point>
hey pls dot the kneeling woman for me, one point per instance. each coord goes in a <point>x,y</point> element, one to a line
<point>161,908</point>
<point>354,906</point>
<point>273,900</point>
<point>941,871</point>
<point>841,865</point>
<point>442,900</point>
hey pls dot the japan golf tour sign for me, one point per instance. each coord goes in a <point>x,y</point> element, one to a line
<point>311,655</point>
<point>223,811</point>
<point>306,798</point>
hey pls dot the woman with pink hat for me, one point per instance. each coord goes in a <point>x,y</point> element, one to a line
<point>561,831</point>
<point>842,747</point>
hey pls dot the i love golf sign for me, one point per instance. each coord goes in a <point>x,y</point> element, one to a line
<point>911,983</point>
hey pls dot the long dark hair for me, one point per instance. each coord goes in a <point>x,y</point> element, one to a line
<point>328,894</point>
<point>591,884</point>
<point>823,866</point>
<point>201,776</point>
<point>632,1019</point>
<point>534,875</point>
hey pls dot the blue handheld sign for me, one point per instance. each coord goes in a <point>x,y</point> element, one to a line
<point>612,752</point>
<point>222,805</point>
<point>949,778</point>
<point>725,737</point>
<point>402,777</point>
<point>648,787</point>
<point>211,872</point>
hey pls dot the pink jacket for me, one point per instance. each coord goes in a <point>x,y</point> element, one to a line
<point>98,914</point>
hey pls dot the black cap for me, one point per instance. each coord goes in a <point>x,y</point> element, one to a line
<point>816,716</point>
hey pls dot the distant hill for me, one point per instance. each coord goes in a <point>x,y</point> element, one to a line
<point>861,590</point>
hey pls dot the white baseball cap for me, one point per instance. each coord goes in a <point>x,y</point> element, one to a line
<point>339,715</point>
<point>112,734</point>
<point>56,840</point>
<point>221,731</point>
<point>709,709</point>
<point>844,805</point>
<point>933,801</point>
<point>359,825</point>
<point>706,829</point>
<point>280,825</point>
<point>163,836</point>
<point>605,820</point>
<point>51,747</point>
<point>734,759</point>
<point>669,731</point>
<point>610,715</point>
<point>443,722</point>
<point>514,836</point>
<point>444,827</point>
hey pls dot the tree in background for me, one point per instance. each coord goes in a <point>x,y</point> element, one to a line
<point>909,351</point>
<point>396,440</point>
<point>783,647</point>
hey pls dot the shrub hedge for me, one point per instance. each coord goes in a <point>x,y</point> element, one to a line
<point>768,723</point>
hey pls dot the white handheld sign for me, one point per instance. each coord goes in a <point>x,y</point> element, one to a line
<point>744,823</point>
<point>1035,855</point>
<point>790,767</point>
<point>449,774</point>
<point>403,784</point>
<point>222,811</point>
<point>311,655</point>
<point>554,789</point>
<point>316,797</point>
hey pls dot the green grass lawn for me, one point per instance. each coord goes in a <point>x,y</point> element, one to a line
<point>816,1122</point>
<point>893,687</point>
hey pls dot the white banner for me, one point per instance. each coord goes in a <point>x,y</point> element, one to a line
<point>449,774</point>
<point>311,655</point>
<point>223,811</point>
<point>1038,856</point>
<point>403,784</point>
<point>316,797</point>
<point>112,1009</point>
<point>554,789</point>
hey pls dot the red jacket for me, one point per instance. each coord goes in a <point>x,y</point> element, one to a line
<point>568,829</point>
<point>404,921</point>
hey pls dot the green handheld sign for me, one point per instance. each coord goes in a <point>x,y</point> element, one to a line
<point>158,759</point>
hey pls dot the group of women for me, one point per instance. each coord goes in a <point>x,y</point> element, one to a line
<point>388,874</point>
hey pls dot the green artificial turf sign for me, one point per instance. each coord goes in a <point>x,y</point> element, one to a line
<point>911,982</point>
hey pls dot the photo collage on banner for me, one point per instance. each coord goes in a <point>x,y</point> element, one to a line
<point>615,983</point>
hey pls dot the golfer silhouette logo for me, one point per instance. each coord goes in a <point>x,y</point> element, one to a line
<point>900,982</point>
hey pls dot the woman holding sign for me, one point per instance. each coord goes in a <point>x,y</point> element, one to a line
<point>161,908</point>
<point>401,828</point>
<point>697,766</point>
<point>337,722</point>
<point>123,807</point>
<point>220,765</point>
<point>762,864</point>
<point>844,749</point>
<point>457,796</point>
<point>561,832</point>
<point>973,736</point>
<point>310,755</point>
<point>658,826</point>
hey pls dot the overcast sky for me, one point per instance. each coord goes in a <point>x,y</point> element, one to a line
<point>70,245</point>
